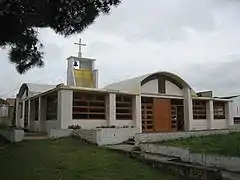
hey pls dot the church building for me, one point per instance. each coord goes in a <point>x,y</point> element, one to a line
<point>155,102</point>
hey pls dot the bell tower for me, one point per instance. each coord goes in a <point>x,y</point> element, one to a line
<point>81,71</point>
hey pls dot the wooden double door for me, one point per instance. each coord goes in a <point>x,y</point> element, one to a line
<point>157,115</point>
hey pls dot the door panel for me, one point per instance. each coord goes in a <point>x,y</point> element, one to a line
<point>162,115</point>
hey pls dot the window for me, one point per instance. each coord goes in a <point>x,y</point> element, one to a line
<point>88,105</point>
<point>161,85</point>
<point>51,113</point>
<point>124,107</point>
<point>36,103</point>
<point>199,109</point>
<point>236,120</point>
<point>219,110</point>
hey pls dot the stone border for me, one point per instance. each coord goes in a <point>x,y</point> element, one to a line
<point>57,133</point>
<point>185,155</point>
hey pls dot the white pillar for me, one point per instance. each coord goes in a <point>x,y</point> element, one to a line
<point>39,108</point>
<point>32,115</point>
<point>17,112</point>
<point>111,109</point>
<point>228,113</point>
<point>210,114</point>
<point>23,114</point>
<point>188,110</point>
<point>29,113</point>
<point>137,112</point>
<point>64,110</point>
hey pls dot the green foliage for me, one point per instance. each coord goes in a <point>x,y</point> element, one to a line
<point>70,159</point>
<point>227,145</point>
<point>21,20</point>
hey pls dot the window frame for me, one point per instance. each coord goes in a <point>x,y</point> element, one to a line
<point>51,106</point>
<point>124,107</point>
<point>221,108</point>
<point>197,107</point>
<point>89,106</point>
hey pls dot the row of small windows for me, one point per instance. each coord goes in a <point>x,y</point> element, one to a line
<point>92,106</point>
<point>200,109</point>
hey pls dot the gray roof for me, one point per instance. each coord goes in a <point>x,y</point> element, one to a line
<point>35,88</point>
<point>133,85</point>
<point>228,97</point>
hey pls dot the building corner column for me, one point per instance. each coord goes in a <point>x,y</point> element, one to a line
<point>210,115</point>
<point>64,108</point>
<point>29,113</point>
<point>111,109</point>
<point>17,112</point>
<point>137,114</point>
<point>23,114</point>
<point>228,113</point>
<point>188,109</point>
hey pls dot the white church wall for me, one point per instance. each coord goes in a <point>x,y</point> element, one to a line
<point>236,107</point>
<point>150,87</point>
<point>64,112</point>
<point>172,89</point>
<point>219,124</point>
<point>199,124</point>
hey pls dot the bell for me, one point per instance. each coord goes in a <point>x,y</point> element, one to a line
<point>75,64</point>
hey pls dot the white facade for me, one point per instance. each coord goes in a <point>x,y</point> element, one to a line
<point>174,88</point>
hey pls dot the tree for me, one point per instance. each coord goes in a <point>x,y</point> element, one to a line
<point>21,19</point>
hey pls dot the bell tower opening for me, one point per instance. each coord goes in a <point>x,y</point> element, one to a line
<point>81,71</point>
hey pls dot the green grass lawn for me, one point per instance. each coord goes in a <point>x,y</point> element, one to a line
<point>70,159</point>
<point>227,145</point>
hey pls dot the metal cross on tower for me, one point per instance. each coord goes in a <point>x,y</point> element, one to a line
<point>80,47</point>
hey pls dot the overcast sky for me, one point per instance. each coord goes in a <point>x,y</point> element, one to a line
<point>196,39</point>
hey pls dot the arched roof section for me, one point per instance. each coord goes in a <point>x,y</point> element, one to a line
<point>134,85</point>
<point>34,88</point>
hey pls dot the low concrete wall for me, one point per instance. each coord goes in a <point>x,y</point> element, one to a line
<point>227,163</point>
<point>13,135</point>
<point>219,124</point>
<point>115,135</point>
<point>57,133</point>
<point>89,135</point>
<point>106,136</point>
<point>157,137</point>
<point>199,124</point>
